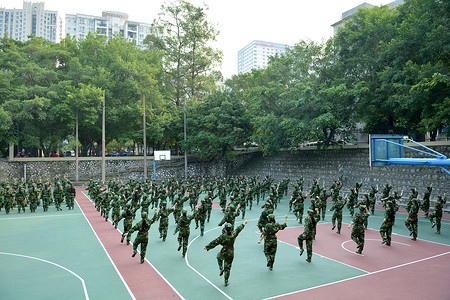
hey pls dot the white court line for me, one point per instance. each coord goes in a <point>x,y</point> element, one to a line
<point>192,268</point>
<point>107,254</point>
<point>359,276</point>
<point>339,262</point>
<point>35,217</point>
<point>55,264</point>
<point>164,278</point>
<point>352,252</point>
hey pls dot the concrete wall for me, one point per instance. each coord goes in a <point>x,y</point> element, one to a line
<point>307,163</point>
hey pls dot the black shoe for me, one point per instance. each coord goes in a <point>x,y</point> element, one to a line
<point>226,282</point>
<point>121,240</point>
<point>308,260</point>
<point>128,242</point>
<point>221,273</point>
<point>179,248</point>
<point>338,232</point>
<point>301,252</point>
<point>142,260</point>
<point>434,224</point>
<point>334,226</point>
<point>134,254</point>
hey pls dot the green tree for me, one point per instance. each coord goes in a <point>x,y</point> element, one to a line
<point>216,125</point>
<point>183,35</point>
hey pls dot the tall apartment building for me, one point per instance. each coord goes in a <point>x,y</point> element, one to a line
<point>109,24</point>
<point>256,55</point>
<point>347,15</point>
<point>32,19</point>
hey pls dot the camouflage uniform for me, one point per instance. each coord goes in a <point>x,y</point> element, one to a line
<point>163,216</point>
<point>307,235</point>
<point>127,215</point>
<point>338,206</point>
<point>438,207</point>
<point>200,216</point>
<point>412,220</point>
<point>230,215</point>
<point>270,239</point>
<point>425,206</point>
<point>386,227</point>
<point>142,227</point>
<point>358,231</point>
<point>184,231</point>
<point>226,254</point>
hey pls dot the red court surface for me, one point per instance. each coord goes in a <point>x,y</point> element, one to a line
<point>405,270</point>
<point>143,280</point>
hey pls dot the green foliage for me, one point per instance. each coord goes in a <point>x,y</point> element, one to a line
<point>216,125</point>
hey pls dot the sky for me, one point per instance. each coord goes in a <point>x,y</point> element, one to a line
<point>239,21</point>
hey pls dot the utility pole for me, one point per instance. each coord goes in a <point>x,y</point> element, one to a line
<point>185,140</point>
<point>77,177</point>
<point>103,139</point>
<point>145,139</point>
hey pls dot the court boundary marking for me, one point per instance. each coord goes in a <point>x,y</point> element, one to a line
<point>36,217</point>
<point>156,270</point>
<point>55,264</point>
<point>362,275</point>
<point>107,254</point>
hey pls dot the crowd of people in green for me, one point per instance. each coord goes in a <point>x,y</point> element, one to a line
<point>117,201</point>
<point>235,195</point>
<point>31,194</point>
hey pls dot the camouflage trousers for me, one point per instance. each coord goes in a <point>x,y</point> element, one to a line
<point>386,231</point>
<point>141,239</point>
<point>309,242</point>
<point>357,236</point>
<point>225,261</point>
<point>411,224</point>
<point>270,249</point>
<point>337,217</point>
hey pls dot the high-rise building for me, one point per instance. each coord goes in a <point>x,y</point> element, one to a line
<point>256,55</point>
<point>109,24</point>
<point>32,19</point>
<point>347,15</point>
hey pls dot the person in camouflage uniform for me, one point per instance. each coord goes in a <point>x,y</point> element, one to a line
<point>262,221</point>
<point>425,206</point>
<point>438,207</point>
<point>21,198</point>
<point>388,222</point>
<point>142,227</point>
<point>184,231</point>
<point>270,239</point>
<point>200,216</point>
<point>46,195</point>
<point>338,206</point>
<point>8,197</point>
<point>299,206</point>
<point>226,254</point>
<point>230,215</point>
<point>307,235</point>
<point>373,198</point>
<point>163,216</point>
<point>358,231</point>
<point>127,215</point>
<point>352,200</point>
<point>412,220</point>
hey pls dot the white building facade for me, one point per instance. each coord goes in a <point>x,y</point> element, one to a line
<point>347,15</point>
<point>109,24</point>
<point>32,19</point>
<point>256,55</point>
